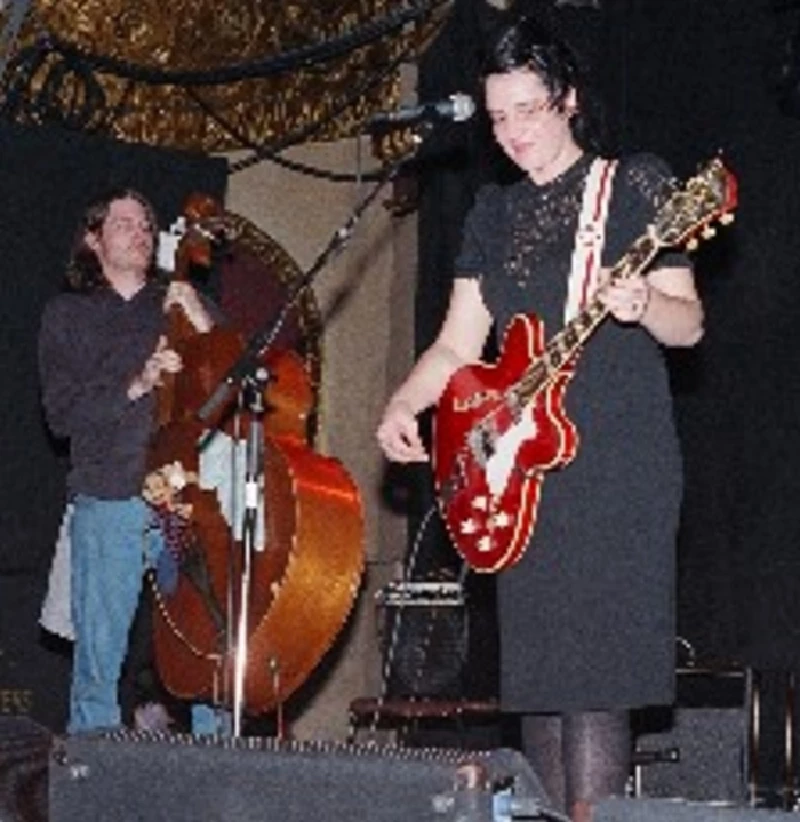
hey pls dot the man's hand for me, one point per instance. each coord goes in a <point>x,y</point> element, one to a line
<point>162,360</point>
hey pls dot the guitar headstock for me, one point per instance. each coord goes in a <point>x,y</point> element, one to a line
<point>708,197</point>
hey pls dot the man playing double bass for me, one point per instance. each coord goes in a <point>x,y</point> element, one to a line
<point>102,352</point>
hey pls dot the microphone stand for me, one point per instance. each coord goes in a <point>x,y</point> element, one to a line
<point>255,389</point>
<point>243,374</point>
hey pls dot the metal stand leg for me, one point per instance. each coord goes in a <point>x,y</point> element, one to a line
<point>754,735</point>
<point>788,746</point>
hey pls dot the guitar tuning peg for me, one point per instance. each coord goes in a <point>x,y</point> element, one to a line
<point>692,244</point>
<point>726,219</point>
<point>708,232</point>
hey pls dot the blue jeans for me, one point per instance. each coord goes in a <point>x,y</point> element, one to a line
<point>112,544</point>
<point>110,548</point>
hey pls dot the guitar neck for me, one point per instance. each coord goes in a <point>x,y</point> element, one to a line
<point>566,343</point>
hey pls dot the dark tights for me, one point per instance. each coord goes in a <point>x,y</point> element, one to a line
<point>580,758</point>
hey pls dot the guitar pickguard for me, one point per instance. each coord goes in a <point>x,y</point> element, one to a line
<point>503,461</point>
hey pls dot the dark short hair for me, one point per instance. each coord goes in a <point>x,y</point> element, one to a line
<point>525,43</point>
<point>84,272</point>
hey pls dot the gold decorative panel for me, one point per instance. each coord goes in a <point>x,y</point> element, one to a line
<point>317,100</point>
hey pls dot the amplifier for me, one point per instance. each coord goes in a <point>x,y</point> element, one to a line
<point>675,810</point>
<point>701,749</point>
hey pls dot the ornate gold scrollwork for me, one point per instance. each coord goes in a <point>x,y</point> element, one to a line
<point>200,35</point>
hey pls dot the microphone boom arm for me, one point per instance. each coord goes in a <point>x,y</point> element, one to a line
<point>249,361</point>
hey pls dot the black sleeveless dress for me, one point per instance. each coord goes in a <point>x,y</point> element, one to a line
<point>587,615</point>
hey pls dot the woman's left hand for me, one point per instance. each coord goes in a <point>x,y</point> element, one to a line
<point>626,299</point>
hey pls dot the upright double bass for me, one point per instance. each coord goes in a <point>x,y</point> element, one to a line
<point>303,578</point>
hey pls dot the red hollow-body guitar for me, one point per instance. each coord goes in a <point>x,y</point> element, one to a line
<point>499,428</point>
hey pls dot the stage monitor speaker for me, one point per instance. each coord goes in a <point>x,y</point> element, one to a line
<point>676,810</point>
<point>24,751</point>
<point>702,757</point>
<point>156,777</point>
<point>700,749</point>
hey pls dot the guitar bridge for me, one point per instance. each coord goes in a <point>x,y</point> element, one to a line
<point>515,404</point>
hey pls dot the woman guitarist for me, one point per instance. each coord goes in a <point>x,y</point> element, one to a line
<point>585,615</point>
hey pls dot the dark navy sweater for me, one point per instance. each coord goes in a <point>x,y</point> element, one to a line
<point>90,348</point>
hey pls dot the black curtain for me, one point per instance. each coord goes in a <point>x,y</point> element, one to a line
<point>47,178</point>
<point>451,168</point>
<point>735,396</point>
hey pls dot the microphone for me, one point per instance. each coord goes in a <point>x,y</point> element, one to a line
<point>457,107</point>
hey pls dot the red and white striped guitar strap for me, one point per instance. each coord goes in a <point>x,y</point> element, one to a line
<point>590,237</point>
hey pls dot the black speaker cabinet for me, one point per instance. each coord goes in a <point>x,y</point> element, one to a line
<point>699,750</point>
<point>702,757</point>
<point>24,751</point>
<point>155,777</point>
<point>678,810</point>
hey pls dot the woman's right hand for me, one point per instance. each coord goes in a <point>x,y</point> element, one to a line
<point>398,434</point>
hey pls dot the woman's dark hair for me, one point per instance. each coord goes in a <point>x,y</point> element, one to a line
<point>84,272</point>
<point>526,44</point>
